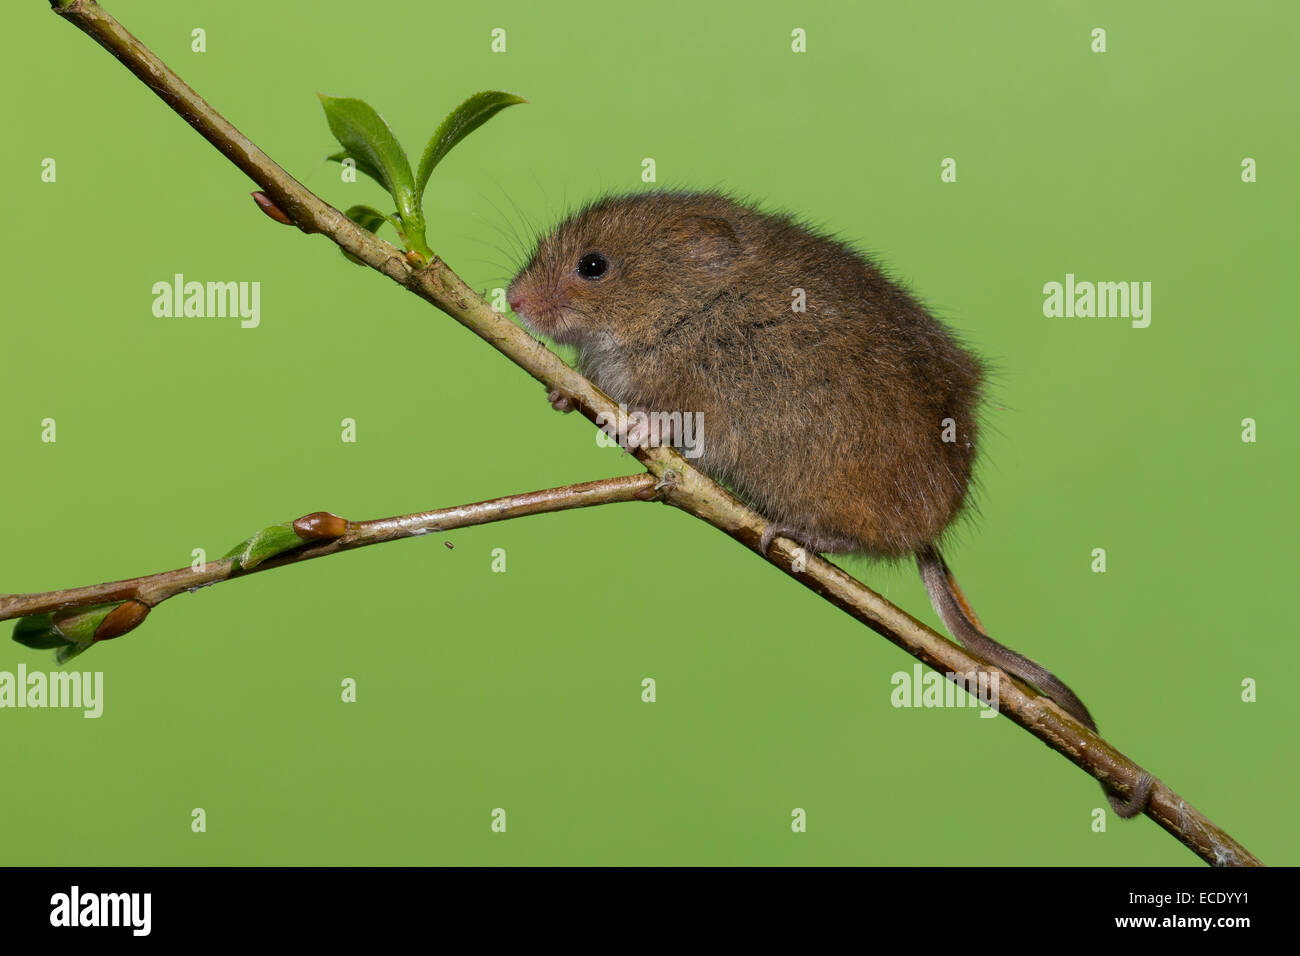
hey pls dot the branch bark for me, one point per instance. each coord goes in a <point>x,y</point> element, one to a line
<point>682,485</point>
<point>151,590</point>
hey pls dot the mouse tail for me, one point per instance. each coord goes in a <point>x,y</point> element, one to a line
<point>957,615</point>
<point>955,611</point>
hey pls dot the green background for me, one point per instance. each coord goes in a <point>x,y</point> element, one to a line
<point>521,690</point>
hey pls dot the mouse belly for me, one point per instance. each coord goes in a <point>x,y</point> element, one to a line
<point>883,490</point>
<point>884,506</point>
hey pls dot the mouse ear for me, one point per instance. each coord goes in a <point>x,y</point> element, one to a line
<point>709,241</point>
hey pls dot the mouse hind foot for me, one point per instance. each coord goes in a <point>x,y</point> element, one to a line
<point>810,541</point>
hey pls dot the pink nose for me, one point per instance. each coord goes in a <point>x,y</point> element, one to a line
<point>516,301</point>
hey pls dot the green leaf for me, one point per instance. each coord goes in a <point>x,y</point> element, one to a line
<point>460,122</point>
<point>69,632</point>
<point>267,543</point>
<point>362,165</point>
<point>80,624</point>
<point>365,136</point>
<point>68,651</point>
<point>38,632</point>
<point>370,218</point>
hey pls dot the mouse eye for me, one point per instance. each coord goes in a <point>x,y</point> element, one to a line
<point>592,266</point>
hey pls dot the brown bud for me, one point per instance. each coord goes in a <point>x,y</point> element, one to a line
<point>268,206</point>
<point>414,259</point>
<point>122,619</point>
<point>320,526</point>
<point>449,545</point>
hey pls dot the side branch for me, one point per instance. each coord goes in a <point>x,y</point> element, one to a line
<point>153,589</point>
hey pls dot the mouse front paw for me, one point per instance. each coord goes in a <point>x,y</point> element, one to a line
<point>646,429</point>
<point>560,402</point>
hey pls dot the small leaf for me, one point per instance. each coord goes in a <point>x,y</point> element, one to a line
<point>362,165</point>
<point>68,651</point>
<point>368,218</point>
<point>72,630</point>
<point>460,122</point>
<point>364,134</point>
<point>69,631</point>
<point>267,543</point>
<point>38,632</point>
<point>78,625</point>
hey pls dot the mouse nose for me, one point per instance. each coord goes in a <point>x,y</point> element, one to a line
<point>516,301</point>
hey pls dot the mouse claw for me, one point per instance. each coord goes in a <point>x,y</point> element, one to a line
<point>645,429</point>
<point>560,402</point>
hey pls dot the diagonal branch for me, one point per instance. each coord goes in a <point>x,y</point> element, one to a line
<point>683,486</point>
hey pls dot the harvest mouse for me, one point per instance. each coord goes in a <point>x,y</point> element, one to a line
<point>829,398</point>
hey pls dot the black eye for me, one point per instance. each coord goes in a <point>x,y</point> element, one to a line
<point>592,265</point>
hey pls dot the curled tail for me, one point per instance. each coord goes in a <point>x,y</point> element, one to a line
<point>951,606</point>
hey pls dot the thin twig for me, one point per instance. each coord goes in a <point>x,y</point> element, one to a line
<point>683,485</point>
<point>152,589</point>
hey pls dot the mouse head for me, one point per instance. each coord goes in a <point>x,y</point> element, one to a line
<point>627,265</point>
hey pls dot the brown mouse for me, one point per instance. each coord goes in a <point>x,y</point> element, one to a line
<point>851,425</point>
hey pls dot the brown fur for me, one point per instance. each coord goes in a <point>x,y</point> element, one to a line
<point>828,421</point>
